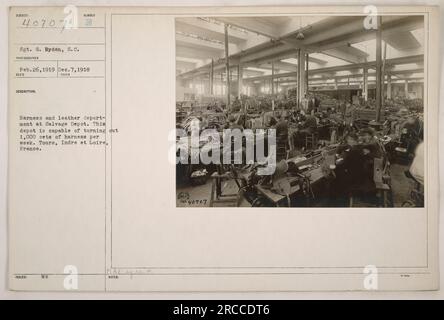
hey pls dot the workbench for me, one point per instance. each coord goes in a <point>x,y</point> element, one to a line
<point>314,174</point>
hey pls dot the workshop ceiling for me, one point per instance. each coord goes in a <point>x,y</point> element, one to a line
<point>257,43</point>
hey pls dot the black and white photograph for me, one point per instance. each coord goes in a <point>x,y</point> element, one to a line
<point>300,111</point>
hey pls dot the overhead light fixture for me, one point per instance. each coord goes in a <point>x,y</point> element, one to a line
<point>299,34</point>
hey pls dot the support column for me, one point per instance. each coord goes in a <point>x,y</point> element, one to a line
<point>378,70</point>
<point>406,88</point>
<point>227,65</point>
<point>383,74</point>
<point>306,73</point>
<point>272,78</point>
<point>240,75</point>
<point>302,88</point>
<point>365,84</point>
<point>212,77</point>
<point>389,86</point>
<point>221,83</point>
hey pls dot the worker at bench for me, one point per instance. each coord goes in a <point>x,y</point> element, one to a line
<point>354,177</point>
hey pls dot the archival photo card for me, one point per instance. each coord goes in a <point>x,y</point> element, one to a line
<point>223,149</point>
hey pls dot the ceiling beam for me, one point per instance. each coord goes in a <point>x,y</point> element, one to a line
<point>317,60</point>
<point>279,65</point>
<point>194,53</point>
<point>402,41</point>
<point>299,24</point>
<point>252,25</point>
<point>197,43</point>
<point>209,29</point>
<point>348,54</point>
<point>360,75</point>
<point>371,64</point>
<point>185,65</point>
<point>399,25</point>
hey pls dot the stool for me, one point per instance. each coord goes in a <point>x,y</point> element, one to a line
<point>218,198</point>
<point>311,141</point>
<point>381,178</point>
<point>281,147</point>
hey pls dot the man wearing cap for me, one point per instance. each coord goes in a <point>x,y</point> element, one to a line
<point>369,143</point>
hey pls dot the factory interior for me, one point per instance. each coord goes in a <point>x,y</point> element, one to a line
<point>345,97</point>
